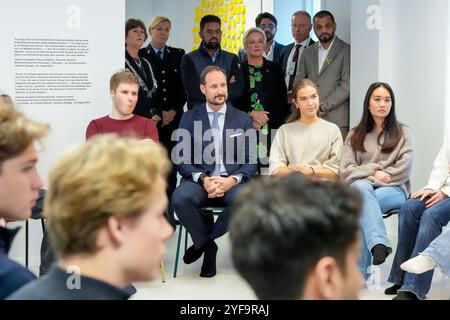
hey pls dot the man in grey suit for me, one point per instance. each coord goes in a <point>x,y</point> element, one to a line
<point>327,63</point>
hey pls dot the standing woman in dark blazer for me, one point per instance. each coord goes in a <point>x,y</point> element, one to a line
<point>265,91</point>
<point>170,95</point>
<point>135,35</point>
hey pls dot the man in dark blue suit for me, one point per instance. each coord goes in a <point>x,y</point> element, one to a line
<point>290,55</point>
<point>216,155</point>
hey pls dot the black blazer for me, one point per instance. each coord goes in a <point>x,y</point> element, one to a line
<point>285,54</point>
<point>274,98</point>
<point>170,93</point>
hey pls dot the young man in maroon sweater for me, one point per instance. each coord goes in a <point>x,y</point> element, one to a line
<point>124,88</point>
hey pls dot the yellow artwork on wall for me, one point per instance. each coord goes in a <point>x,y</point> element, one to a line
<point>232,15</point>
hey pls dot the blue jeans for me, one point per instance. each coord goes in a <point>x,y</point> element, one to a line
<point>376,201</point>
<point>417,227</point>
<point>439,251</point>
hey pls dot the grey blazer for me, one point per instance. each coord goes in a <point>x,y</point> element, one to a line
<point>333,80</point>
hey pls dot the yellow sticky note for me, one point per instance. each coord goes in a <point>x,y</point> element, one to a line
<point>197,38</point>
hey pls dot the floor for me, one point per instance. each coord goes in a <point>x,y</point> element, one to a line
<point>228,285</point>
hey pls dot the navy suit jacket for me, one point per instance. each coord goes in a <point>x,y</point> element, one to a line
<point>287,51</point>
<point>239,143</point>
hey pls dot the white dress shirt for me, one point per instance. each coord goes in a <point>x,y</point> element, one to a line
<point>290,65</point>
<point>323,54</point>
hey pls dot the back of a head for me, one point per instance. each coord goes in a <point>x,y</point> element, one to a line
<point>281,227</point>
<point>107,176</point>
<point>17,132</point>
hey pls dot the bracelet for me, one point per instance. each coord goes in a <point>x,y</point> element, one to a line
<point>312,169</point>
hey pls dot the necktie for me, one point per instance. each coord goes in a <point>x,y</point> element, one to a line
<point>217,142</point>
<point>295,62</point>
<point>160,54</point>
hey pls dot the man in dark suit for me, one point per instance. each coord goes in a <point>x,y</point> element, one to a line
<point>290,55</point>
<point>267,23</point>
<point>212,172</point>
<point>327,63</point>
<point>209,53</point>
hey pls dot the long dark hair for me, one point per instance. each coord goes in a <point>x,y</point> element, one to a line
<point>391,132</point>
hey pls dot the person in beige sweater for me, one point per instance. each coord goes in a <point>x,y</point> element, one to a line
<point>306,143</point>
<point>377,161</point>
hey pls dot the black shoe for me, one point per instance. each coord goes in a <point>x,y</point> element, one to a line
<point>209,260</point>
<point>405,295</point>
<point>379,253</point>
<point>130,289</point>
<point>192,254</point>
<point>393,289</point>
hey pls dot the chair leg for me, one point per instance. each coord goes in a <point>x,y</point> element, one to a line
<point>185,242</point>
<point>26,243</point>
<point>163,273</point>
<point>178,251</point>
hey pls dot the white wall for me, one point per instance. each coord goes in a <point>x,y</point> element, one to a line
<point>410,50</point>
<point>341,11</point>
<point>48,19</point>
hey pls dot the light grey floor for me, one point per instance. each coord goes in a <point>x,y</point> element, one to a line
<point>228,285</point>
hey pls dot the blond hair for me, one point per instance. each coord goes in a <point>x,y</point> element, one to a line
<point>108,176</point>
<point>253,30</point>
<point>17,132</point>
<point>157,20</point>
<point>122,76</point>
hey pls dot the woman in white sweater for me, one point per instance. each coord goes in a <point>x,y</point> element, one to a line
<point>377,161</point>
<point>306,143</point>
<point>421,220</point>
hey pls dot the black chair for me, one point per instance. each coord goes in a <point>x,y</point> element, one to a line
<point>206,211</point>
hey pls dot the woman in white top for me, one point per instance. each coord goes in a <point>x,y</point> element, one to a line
<point>420,221</point>
<point>306,143</point>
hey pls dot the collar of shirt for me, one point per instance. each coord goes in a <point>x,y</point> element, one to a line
<point>222,111</point>
<point>304,43</point>
<point>269,55</point>
<point>156,49</point>
<point>216,54</point>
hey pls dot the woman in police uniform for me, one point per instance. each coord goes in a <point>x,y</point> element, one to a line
<point>170,94</point>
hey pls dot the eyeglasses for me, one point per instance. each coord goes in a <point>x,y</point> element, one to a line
<point>270,26</point>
